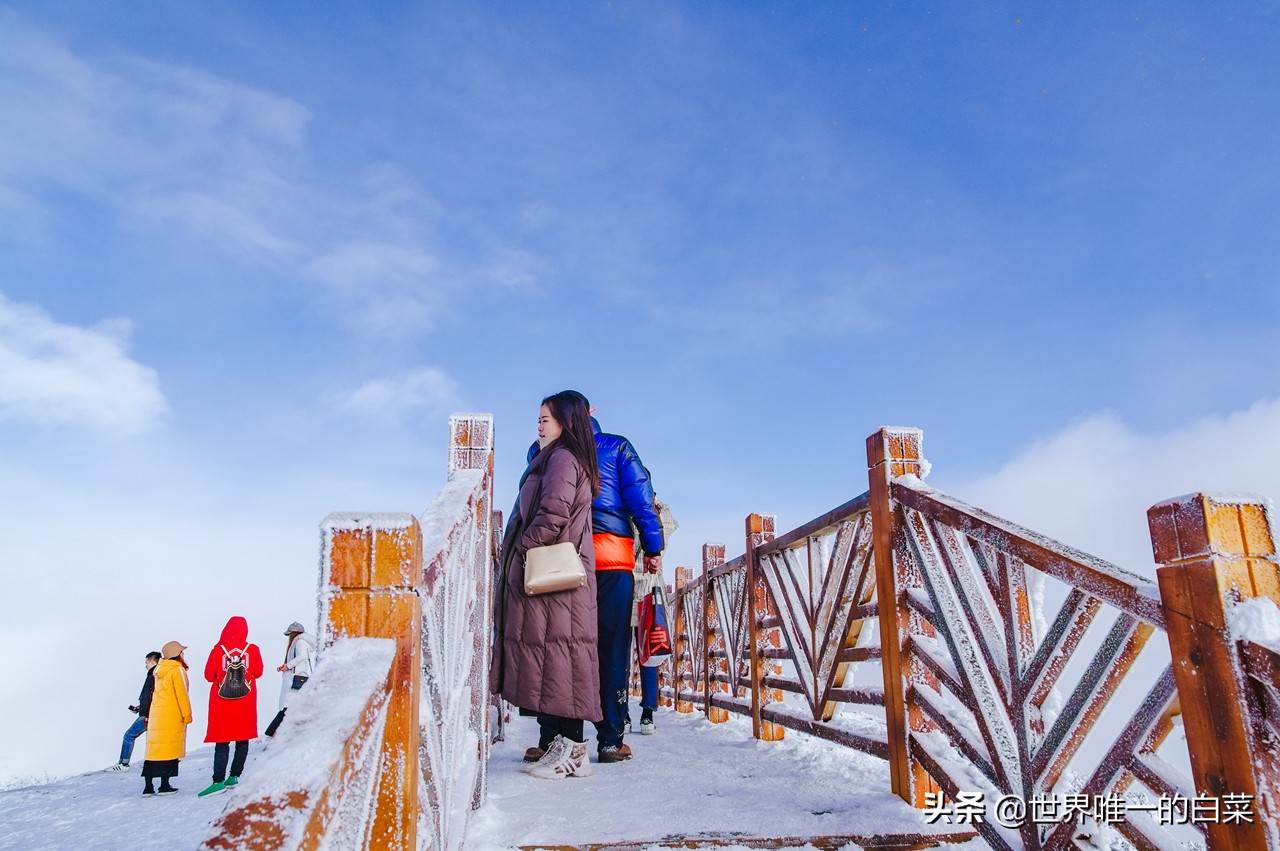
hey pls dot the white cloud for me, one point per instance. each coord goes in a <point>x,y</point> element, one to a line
<point>187,156</point>
<point>55,373</point>
<point>1090,485</point>
<point>381,287</point>
<point>428,393</point>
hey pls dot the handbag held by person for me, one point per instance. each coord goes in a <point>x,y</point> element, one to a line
<point>553,568</point>
<point>653,638</point>
<point>298,681</point>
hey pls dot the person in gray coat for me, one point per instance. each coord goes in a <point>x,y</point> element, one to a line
<point>545,657</point>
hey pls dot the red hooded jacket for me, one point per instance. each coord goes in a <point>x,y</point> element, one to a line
<point>233,720</point>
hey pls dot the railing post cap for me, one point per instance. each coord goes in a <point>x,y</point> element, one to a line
<point>761,524</point>
<point>899,443</point>
<point>1208,525</point>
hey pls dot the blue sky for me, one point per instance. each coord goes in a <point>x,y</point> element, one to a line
<point>252,256</point>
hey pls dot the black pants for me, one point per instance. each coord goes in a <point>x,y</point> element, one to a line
<point>550,726</point>
<point>275,723</point>
<point>220,759</point>
<point>163,770</point>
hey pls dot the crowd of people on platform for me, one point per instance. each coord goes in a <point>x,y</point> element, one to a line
<point>564,657</point>
<point>232,669</point>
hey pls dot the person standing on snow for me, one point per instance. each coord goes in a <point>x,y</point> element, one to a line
<point>167,722</point>
<point>644,583</point>
<point>624,502</point>
<point>296,669</point>
<point>139,725</point>
<point>544,652</point>
<point>232,669</point>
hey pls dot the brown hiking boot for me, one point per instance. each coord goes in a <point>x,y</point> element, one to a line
<point>533,754</point>
<point>615,753</point>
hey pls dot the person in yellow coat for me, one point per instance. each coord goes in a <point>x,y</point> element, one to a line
<point>167,724</point>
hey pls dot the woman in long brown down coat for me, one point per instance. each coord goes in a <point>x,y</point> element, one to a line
<point>545,658</point>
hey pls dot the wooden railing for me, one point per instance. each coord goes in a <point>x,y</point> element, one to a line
<point>1015,672</point>
<point>316,786</point>
<point>405,760</point>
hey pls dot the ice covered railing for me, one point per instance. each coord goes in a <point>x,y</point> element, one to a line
<point>1009,665</point>
<point>404,744</point>
<point>318,779</point>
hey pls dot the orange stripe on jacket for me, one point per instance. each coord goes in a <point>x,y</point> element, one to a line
<point>614,552</point>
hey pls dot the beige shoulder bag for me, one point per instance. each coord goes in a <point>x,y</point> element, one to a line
<point>553,568</point>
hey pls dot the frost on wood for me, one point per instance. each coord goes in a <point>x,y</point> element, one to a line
<point>1001,663</point>
<point>457,624</point>
<point>321,768</point>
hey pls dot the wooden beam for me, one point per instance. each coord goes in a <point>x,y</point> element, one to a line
<point>1216,551</point>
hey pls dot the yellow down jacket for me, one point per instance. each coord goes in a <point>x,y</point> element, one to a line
<point>170,712</point>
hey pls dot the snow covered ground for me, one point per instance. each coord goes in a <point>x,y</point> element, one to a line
<point>106,810</point>
<point>692,778</point>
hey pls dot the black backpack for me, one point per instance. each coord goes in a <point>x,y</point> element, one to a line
<point>234,684</point>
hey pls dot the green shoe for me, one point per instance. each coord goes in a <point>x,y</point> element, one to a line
<point>214,789</point>
<point>231,781</point>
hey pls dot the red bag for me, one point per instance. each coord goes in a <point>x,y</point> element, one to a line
<point>653,639</point>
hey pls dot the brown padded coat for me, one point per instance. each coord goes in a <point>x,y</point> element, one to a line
<point>545,658</point>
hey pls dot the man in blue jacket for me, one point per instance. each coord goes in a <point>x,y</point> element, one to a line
<point>625,502</point>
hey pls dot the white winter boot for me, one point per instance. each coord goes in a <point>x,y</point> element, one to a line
<point>563,759</point>
<point>580,755</point>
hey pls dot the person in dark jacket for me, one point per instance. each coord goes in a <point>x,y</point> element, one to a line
<point>624,504</point>
<point>139,725</point>
<point>545,654</point>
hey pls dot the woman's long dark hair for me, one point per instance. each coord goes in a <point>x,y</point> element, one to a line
<point>573,412</point>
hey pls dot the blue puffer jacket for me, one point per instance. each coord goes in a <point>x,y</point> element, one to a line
<point>626,494</point>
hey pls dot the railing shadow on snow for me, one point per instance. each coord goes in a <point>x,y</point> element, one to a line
<point>1074,716</point>
<point>387,745</point>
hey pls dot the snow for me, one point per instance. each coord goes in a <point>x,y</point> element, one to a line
<point>692,778</point>
<point>449,508</point>
<point>105,811</point>
<point>378,521</point>
<point>1257,620</point>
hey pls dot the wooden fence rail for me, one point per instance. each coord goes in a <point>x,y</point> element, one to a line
<point>1013,670</point>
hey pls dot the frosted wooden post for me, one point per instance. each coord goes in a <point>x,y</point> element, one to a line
<point>895,452</point>
<point>1215,552</point>
<point>714,642</point>
<point>760,531</point>
<point>371,580</point>
<point>471,443</point>
<point>683,655</point>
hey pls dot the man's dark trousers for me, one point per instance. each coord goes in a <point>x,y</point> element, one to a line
<point>613,605</point>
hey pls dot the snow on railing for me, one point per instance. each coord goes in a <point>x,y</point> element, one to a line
<point>1092,729</point>
<point>457,609</point>
<point>318,777</point>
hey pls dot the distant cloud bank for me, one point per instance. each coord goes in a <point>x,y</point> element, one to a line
<point>1090,485</point>
<point>55,373</point>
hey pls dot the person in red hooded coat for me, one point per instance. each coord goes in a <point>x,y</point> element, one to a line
<point>234,664</point>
